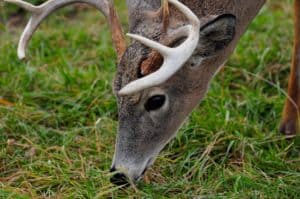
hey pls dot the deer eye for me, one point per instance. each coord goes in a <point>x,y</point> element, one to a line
<point>155,102</point>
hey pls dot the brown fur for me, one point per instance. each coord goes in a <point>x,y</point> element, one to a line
<point>290,117</point>
<point>152,63</point>
<point>117,33</point>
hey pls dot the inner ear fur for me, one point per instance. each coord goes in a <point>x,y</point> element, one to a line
<point>216,34</point>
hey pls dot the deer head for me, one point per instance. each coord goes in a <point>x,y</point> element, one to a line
<point>159,84</point>
<point>161,76</point>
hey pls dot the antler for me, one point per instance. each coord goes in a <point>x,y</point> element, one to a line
<point>174,58</point>
<point>166,15</point>
<point>39,13</point>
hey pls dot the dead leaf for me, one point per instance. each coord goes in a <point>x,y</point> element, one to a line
<point>6,103</point>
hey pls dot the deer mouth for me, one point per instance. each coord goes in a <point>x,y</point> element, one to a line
<point>148,165</point>
<point>121,179</point>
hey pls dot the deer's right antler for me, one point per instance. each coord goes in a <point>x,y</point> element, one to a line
<point>39,13</point>
<point>174,58</point>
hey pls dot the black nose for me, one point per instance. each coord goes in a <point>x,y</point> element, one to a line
<point>119,179</point>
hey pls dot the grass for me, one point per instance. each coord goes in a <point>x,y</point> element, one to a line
<point>52,147</point>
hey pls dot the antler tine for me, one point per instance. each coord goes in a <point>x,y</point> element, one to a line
<point>174,58</point>
<point>39,13</point>
<point>27,6</point>
<point>165,51</point>
<point>166,15</point>
<point>194,20</point>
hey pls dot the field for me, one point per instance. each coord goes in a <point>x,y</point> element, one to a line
<point>52,147</point>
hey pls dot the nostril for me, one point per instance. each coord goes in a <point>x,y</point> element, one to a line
<point>119,179</point>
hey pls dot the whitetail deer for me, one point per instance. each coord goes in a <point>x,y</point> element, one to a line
<point>161,79</point>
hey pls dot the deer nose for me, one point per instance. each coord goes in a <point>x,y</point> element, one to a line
<point>119,179</point>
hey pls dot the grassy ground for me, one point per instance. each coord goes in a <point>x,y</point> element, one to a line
<point>229,148</point>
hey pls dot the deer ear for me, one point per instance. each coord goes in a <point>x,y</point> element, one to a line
<point>216,35</point>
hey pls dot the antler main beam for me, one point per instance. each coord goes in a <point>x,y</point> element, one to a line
<point>39,13</point>
<point>174,58</point>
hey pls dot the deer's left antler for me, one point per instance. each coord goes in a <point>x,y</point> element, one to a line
<point>174,58</point>
<point>39,13</point>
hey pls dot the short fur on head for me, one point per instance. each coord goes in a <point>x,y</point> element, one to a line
<point>143,134</point>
